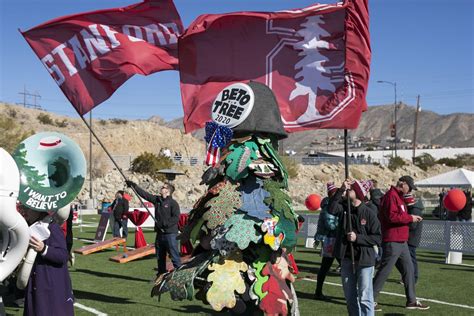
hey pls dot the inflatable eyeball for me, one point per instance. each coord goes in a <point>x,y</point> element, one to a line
<point>313,202</point>
<point>455,200</point>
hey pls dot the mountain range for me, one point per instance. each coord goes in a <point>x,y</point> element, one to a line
<point>452,130</point>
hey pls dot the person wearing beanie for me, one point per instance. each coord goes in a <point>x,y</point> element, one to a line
<point>415,207</point>
<point>395,221</point>
<point>325,233</point>
<point>375,193</point>
<point>362,189</point>
<point>365,234</point>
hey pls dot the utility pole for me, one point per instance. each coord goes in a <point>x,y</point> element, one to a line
<point>394,85</point>
<point>416,126</point>
<point>395,127</point>
<point>24,96</point>
<point>35,96</point>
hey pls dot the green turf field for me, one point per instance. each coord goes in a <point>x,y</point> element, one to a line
<point>124,289</point>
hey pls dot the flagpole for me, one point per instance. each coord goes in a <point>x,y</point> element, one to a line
<point>116,166</point>
<point>348,212</point>
<point>90,157</point>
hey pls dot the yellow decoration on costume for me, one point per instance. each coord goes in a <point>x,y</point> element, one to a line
<point>226,279</point>
<point>268,227</point>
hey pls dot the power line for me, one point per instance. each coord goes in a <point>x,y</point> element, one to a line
<point>27,95</point>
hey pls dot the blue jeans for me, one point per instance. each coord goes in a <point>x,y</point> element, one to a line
<point>358,288</point>
<point>167,244</point>
<point>120,224</point>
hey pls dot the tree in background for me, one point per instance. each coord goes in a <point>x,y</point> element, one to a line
<point>425,161</point>
<point>150,164</point>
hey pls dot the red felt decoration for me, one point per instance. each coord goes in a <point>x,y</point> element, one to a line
<point>278,292</point>
<point>313,202</point>
<point>455,200</point>
<point>138,218</point>
<point>186,247</point>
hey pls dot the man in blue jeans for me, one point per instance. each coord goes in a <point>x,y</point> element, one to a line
<point>365,234</point>
<point>119,210</point>
<point>166,225</point>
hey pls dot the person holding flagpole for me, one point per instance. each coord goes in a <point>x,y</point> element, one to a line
<point>365,234</point>
<point>166,226</point>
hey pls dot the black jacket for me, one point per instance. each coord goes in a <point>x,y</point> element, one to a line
<point>414,234</point>
<point>166,212</point>
<point>365,224</point>
<point>375,196</point>
<point>373,207</point>
<point>119,208</point>
<point>466,212</point>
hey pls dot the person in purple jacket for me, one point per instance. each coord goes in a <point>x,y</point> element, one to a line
<point>49,290</point>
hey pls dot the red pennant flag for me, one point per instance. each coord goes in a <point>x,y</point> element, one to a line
<point>90,55</point>
<point>316,60</point>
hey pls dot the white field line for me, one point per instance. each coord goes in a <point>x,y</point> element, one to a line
<point>85,224</point>
<point>403,295</point>
<point>89,309</point>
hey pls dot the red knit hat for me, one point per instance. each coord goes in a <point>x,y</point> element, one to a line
<point>361,188</point>
<point>331,187</point>
<point>409,199</point>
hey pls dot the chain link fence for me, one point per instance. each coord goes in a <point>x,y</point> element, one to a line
<point>436,235</point>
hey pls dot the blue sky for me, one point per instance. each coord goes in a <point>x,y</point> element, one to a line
<point>426,46</point>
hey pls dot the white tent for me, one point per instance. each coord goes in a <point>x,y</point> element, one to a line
<point>456,178</point>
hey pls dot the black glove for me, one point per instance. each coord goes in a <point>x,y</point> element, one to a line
<point>209,175</point>
<point>130,184</point>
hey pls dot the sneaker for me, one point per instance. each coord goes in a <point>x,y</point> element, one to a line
<point>377,307</point>
<point>417,305</point>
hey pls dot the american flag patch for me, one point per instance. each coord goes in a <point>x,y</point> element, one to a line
<point>212,156</point>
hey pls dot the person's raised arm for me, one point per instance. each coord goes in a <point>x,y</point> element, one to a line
<point>144,194</point>
<point>335,206</point>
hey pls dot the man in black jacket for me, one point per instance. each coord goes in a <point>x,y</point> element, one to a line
<point>364,236</point>
<point>120,209</point>
<point>465,215</point>
<point>166,225</point>
<point>375,193</point>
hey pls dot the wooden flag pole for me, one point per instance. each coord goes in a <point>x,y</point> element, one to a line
<point>116,166</point>
<point>348,226</point>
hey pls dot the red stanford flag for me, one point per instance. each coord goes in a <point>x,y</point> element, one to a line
<point>316,60</point>
<point>90,55</point>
